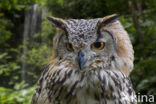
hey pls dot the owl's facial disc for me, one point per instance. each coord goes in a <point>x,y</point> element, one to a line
<point>82,58</point>
<point>84,43</point>
<point>97,54</point>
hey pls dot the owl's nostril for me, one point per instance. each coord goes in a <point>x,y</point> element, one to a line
<point>81,59</point>
<point>80,53</point>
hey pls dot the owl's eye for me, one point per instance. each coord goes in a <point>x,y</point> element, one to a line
<point>98,45</point>
<point>69,47</point>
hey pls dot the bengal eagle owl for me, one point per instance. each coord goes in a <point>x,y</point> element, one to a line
<point>90,64</point>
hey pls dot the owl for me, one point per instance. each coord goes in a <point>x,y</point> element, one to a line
<point>90,64</point>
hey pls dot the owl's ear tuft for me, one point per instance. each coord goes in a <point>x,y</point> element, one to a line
<point>58,22</point>
<point>108,19</point>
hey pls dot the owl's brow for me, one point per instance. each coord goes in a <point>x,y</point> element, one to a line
<point>114,39</point>
<point>98,35</point>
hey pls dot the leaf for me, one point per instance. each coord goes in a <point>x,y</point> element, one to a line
<point>3,55</point>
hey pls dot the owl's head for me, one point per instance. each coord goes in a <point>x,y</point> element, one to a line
<point>94,43</point>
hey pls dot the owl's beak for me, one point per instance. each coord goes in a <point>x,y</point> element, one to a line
<point>81,59</point>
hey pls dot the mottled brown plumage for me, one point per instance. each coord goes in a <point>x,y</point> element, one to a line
<point>90,64</point>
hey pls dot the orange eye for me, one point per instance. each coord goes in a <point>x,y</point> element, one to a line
<point>98,45</point>
<point>69,47</point>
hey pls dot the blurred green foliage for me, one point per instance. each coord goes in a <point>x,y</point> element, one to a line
<point>12,12</point>
<point>16,95</point>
